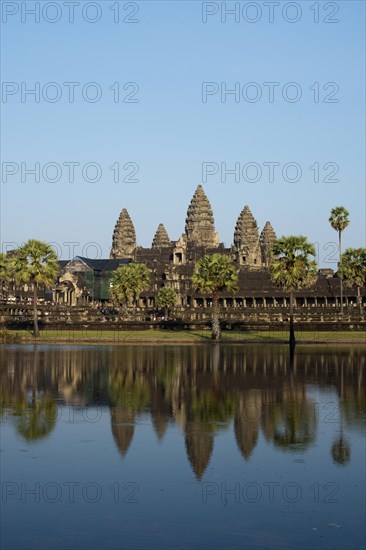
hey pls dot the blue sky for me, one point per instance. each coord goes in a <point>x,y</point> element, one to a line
<point>170,132</point>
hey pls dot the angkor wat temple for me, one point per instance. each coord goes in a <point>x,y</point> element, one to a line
<point>249,249</point>
<point>172,263</point>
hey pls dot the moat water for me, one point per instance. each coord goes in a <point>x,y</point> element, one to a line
<point>184,447</point>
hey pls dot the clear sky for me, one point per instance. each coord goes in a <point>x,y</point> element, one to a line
<point>168,123</point>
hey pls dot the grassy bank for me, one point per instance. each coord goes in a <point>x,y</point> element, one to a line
<point>194,336</point>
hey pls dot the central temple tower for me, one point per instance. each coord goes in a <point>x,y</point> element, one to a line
<point>200,225</point>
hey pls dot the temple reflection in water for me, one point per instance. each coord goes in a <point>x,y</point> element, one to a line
<point>204,390</point>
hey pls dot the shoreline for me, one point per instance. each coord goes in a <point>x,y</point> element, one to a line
<point>326,338</point>
<point>181,342</point>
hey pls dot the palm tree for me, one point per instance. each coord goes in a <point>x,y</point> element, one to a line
<point>120,287</point>
<point>214,274</point>
<point>128,281</point>
<point>292,269</point>
<point>339,221</point>
<point>4,271</point>
<point>166,297</point>
<point>35,263</point>
<point>352,269</point>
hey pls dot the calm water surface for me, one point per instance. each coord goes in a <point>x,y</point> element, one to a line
<point>187,447</point>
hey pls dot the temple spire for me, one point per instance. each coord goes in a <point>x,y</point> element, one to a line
<point>200,225</point>
<point>161,238</point>
<point>124,237</point>
<point>246,239</point>
<point>267,239</point>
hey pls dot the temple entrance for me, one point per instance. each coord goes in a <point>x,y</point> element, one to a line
<point>67,291</point>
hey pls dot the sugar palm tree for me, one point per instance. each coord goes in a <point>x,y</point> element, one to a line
<point>120,287</point>
<point>128,281</point>
<point>292,269</point>
<point>35,263</point>
<point>140,279</point>
<point>4,272</point>
<point>352,269</point>
<point>214,274</point>
<point>166,298</point>
<point>339,221</point>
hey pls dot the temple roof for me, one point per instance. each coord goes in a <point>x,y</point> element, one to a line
<point>97,265</point>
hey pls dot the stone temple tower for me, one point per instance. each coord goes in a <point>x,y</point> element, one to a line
<point>246,240</point>
<point>200,225</point>
<point>124,237</point>
<point>161,238</point>
<point>267,238</point>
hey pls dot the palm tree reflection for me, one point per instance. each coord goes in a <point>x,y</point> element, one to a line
<point>341,451</point>
<point>37,419</point>
<point>204,390</point>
